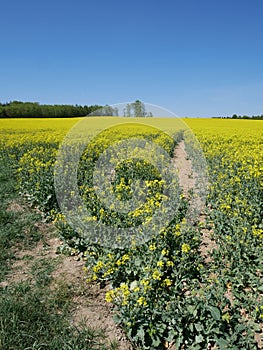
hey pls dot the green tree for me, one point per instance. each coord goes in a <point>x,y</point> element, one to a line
<point>138,109</point>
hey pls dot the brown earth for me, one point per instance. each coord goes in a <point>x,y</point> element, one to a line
<point>187,180</point>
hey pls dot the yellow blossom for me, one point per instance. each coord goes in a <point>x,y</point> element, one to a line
<point>185,248</point>
<point>142,301</point>
<point>160,263</point>
<point>156,275</point>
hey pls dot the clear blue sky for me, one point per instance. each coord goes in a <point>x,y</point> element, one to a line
<point>197,58</point>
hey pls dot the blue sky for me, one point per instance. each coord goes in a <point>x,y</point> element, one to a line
<point>197,58</point>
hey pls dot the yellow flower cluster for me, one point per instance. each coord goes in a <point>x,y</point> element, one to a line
<point>186,248</point>
<point>119,295</point>
<point>123,260</point>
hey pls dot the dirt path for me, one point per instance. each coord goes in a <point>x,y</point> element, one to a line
<point>187,180</point>
<point>184,167</point>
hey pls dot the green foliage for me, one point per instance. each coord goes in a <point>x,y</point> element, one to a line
<point>136,109</point>
<point>253,117</point>
<point>33,316</point>
<point>15,225</point>
<point>17,109</point>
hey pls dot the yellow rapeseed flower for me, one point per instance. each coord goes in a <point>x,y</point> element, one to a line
<point>156,275</point>
<point>185,248</point>
<point>142,301</point>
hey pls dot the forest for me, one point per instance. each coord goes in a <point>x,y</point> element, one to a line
<point>18,109</point>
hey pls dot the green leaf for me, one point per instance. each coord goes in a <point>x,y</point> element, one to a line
<point>179,342</point>
<point>199,327</point>
<point>199,338</point>
<point>156,342</point>
<point>223,344</point>
<point>137,262</point>
<point>140,334</point>
<point>171,335</point>
<point>116,318</point>
<point>215,312</point>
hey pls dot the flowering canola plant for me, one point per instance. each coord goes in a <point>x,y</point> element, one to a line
<point>166,290</point>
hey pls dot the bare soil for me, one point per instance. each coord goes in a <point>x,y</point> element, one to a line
<point>187,180</point>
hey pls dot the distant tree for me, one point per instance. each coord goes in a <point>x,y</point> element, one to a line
<point>106,111</point>
<point>138,109</point>
<point>128,110</point>
<point>2,111</point>
<point>116,111</point>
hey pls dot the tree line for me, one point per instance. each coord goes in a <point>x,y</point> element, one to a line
<point>235,116</point>
<point>18,109</point>
<point>257,117</point>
